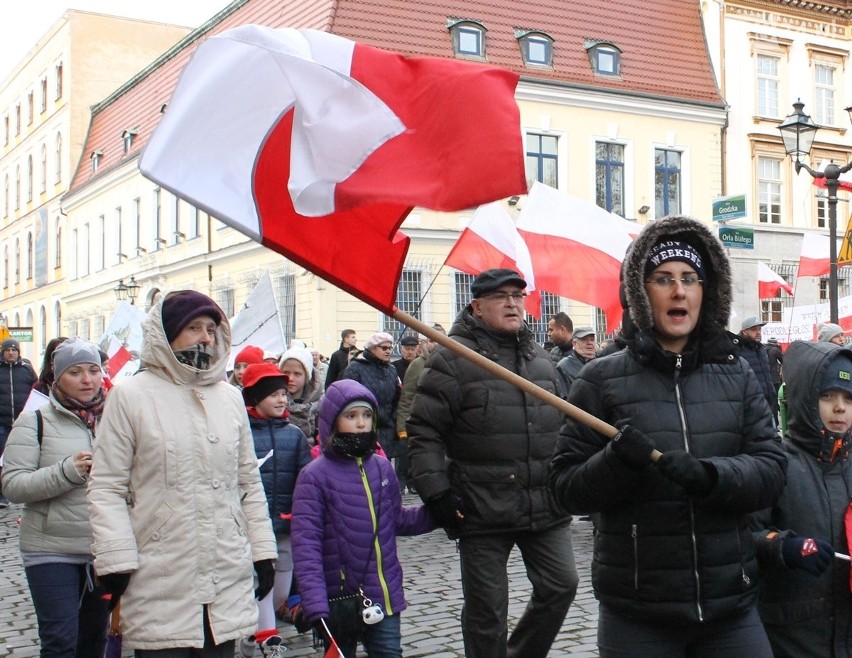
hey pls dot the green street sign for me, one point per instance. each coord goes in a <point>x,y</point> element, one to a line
<point>22,334</point>
<point>729,207</point>
<point>737,238</point>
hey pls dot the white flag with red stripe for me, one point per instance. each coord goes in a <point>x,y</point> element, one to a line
<point>769,282</point>
<point>814,260</point>
<point>576,248</point>
<point>356,135</point>
<point>491,240</point>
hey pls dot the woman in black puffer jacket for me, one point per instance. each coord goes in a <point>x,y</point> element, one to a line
<point>674,566</point>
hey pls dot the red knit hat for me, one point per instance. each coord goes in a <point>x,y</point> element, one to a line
<point>260,380</point>
<point>249,354</point>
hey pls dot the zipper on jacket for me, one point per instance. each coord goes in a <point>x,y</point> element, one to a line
<point>685,431</point>
<point>634,533</point>
<point>746,579</point>
<point>380,572</point>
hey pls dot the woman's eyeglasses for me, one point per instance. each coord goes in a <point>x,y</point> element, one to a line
<point>668,281</point>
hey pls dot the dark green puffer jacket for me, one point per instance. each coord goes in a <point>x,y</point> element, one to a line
<point>483,437</point>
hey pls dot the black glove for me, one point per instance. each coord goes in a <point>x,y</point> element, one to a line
<point>265,570</point>
<point>633,448</point>
<point>685,469</point>
<point>446,509</point>
<point>114,584</point>
<point>812,555</point>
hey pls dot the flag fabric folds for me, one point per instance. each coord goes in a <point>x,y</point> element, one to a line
<point>814,260</point>
<point>770,282</point>
<point>319,147</point>
<point>576,248</point>
<point>491,240</point>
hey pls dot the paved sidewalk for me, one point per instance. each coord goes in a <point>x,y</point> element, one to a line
<point>430,625</point>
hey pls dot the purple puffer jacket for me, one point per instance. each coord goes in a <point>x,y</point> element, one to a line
<point>332,529</point>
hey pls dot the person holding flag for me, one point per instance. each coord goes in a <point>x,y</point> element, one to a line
<point>674,566</point>
<point>805,600</point>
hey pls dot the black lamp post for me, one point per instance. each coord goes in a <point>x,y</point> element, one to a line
<point>798,132</point>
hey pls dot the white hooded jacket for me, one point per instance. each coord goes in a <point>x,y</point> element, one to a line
<point>176,499</point>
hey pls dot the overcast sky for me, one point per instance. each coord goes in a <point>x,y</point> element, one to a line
<point>25,22</point>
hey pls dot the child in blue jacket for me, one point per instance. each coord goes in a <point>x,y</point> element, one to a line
<point>282,451</point>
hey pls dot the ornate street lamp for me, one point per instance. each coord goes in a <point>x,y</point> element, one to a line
<point>798,132</point>
<point>128,291</point>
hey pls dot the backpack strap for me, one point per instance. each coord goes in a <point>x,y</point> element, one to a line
<point>39,426</point>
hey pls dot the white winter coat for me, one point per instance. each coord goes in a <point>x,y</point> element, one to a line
<point>176,499</point>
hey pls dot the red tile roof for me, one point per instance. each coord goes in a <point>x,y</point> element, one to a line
<point>662,46</point>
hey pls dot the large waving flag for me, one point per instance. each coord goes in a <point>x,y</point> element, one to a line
<point>814,260</point>
<point>491,240</point>
<point>769,282</point>
<point>319,147</point>
<point>576,248</point>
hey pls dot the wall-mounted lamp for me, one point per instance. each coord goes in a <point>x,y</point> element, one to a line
<point>644,209</point>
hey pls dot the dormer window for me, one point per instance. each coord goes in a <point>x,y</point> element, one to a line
<point>536,47</point>
<point>127,139</point>
<point>468,37</point>
<point>605,57</point>
<point>96,160</point>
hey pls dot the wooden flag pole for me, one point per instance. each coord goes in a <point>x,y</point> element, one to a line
<point>516,380</point>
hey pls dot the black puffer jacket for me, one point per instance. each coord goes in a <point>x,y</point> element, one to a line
<point>483,437</point>
<point>16,384</point>
<point>661,555</point>
<point>381,378</point>
<point>806,615</point>
<point>758,358</point>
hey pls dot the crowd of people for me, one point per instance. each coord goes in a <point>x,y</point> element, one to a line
<point>215,501</point>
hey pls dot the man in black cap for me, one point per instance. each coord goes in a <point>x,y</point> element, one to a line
<point>479,450</point>
<point>16,382</point>
<point>408,352</point>
<point>753,351</point>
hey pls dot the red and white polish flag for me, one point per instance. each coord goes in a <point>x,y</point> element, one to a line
<point>491,240</point>
<point>770,282</point>
<point>319,147</point>
<point>814,260</point>
<point>576,248</point>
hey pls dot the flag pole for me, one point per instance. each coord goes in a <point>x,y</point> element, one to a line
<point>516,380</point>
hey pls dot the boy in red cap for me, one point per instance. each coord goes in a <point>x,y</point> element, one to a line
<point>282,451</point>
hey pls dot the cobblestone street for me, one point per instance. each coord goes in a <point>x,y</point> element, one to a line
<point>430,626</point>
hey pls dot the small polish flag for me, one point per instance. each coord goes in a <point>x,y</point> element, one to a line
<point>491,240</point>
<point>770,282</point>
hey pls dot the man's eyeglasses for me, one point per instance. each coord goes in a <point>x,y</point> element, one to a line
<point>668,281</point>
<point>517,297</point>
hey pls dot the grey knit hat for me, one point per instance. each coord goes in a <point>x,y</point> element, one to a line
<point>72,352</point>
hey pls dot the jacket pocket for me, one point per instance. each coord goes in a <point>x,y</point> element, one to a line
<point>490,493</point>
<point>154,527</point>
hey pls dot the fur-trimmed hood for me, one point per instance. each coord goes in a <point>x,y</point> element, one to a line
<point>716,306</point>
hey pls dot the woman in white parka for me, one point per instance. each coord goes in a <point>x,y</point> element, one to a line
<point>178,511</point>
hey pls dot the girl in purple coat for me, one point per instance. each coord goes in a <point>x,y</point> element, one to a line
<point>347,513</point>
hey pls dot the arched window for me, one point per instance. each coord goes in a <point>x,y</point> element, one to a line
<point>29,178</point>
<point>43,187</point>
<point>57,319</point>
<point>18,187</point>
<point>17,261</point>
<point>57,261</point>
<point>42,326</point>
<point>30,256</point>
<point>6,195</point>
<point>58,157</point>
